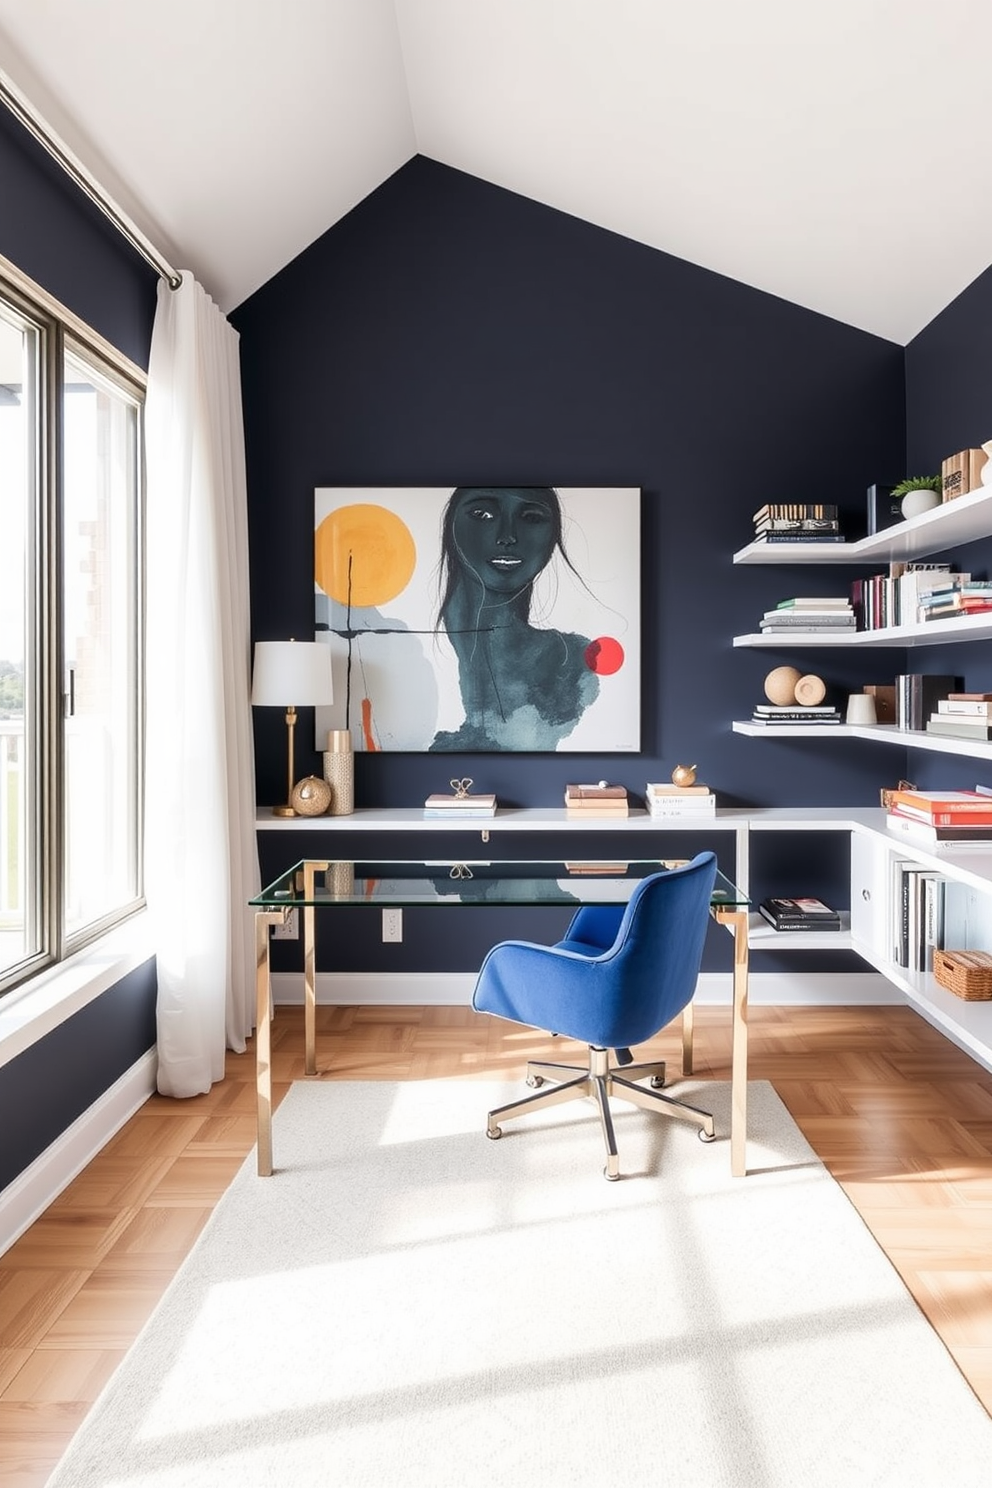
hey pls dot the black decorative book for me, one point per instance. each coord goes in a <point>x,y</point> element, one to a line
<point>884,509</point>
<point>799,914</point>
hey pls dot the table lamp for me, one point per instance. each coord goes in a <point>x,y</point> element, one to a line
<point>291,674</point>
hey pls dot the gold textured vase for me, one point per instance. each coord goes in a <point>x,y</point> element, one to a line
<point>339,772</point>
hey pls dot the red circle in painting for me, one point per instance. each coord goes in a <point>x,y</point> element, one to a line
<point>604,656</point>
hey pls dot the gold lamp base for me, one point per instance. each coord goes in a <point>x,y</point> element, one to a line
<point>287,809</point>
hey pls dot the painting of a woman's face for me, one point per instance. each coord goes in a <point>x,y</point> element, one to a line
<point>504,535</point>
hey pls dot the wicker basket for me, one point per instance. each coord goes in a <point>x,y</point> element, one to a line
<point>967,974</point>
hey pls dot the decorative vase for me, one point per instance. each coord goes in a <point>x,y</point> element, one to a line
<point>339,772</point>
<point>340,880</point>
<point>915,503</point>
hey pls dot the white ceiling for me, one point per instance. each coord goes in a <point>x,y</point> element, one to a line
<point>835,154</point>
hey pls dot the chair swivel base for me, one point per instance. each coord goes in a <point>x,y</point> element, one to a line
<point>600,1081</point>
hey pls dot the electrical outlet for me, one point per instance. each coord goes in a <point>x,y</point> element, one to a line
<point>392,925</point>
<point>290,930</point>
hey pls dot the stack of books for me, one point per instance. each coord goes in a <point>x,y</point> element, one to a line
<point>919,903</point>
<point>791,713</point>
<point>796,521</point>
<point>460,806</point>
<point>590,801</point>
<point>809,616</point>
<point>689,802</point>
<point>963,715</point>
<point>961,595</point>
<point>918,694</point>
<point>799,914</point>
<point>905,595</point>
<point>942,819</point>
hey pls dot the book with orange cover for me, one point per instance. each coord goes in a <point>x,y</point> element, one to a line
<point>926,803</point>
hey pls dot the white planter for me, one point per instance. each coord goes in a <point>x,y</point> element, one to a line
<point>916,502</point>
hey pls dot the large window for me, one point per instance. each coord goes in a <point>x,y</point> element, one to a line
<point>70,640</point>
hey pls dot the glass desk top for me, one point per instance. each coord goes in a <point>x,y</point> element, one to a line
<point>407,884</point>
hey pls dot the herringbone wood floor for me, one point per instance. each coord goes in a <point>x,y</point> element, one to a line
<point>901,1118</point>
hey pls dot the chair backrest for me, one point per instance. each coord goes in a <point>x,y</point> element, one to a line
<point>649,974</point>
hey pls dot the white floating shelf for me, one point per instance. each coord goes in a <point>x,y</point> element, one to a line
<point>955,522</point>
<point>881,733</point>
<point>931,633</point>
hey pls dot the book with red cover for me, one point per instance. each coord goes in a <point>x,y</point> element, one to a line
<point>947,818</point>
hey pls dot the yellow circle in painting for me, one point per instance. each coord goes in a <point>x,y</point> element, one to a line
<point>363,555</point>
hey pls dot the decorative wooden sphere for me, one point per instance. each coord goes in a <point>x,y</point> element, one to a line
<point>684,775</point>
<point>311,796</point>
<point>810,690</point>
<point>780,685</point>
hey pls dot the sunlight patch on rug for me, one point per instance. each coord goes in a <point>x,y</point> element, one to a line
<point>406,1300</point>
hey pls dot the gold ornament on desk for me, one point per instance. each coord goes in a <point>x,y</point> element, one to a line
<point>684,775</point>
<point>311,796</point>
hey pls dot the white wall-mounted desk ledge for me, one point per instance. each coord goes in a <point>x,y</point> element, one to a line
<point>507,819</point>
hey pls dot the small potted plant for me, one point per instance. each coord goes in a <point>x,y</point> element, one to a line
<point>919,493</point>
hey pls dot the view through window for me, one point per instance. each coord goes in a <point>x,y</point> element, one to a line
<point>70,633</point>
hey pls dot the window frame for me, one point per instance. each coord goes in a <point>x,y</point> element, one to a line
<point>59,333</point>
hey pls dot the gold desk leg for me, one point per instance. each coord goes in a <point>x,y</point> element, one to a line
<point>264,919</point>
<point>687,1039</point>
<point>736,922</point>
<point>309,974</point>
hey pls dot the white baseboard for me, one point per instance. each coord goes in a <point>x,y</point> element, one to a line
<point>454,989</point>
<point>31,1192</point>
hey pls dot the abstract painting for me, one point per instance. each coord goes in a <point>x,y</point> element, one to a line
<point>480,618</point>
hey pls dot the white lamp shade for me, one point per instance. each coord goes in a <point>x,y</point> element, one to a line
<point>293,674</point>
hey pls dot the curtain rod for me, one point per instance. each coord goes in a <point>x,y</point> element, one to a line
<point>24,112</point>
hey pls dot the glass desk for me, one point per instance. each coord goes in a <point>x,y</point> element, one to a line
<point>310,886</point>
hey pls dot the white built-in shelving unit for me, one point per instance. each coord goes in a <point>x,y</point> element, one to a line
<point>963,520</point>
<point>874,851</point>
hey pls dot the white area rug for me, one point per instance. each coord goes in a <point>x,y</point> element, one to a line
<point>406,1302</point>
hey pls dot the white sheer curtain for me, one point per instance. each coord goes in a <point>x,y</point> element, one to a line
<point>201,862</point>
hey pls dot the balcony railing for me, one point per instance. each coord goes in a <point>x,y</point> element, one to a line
<point>11,820</point>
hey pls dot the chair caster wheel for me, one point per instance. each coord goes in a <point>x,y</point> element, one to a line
<point>657,1082</point>
<point>494,1133</point>
<point>535,1081</point>
<point>705,1136</point>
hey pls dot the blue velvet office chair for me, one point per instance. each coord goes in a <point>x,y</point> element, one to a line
<point>620,975</point>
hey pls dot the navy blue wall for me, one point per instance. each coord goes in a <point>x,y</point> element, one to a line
<point>448,331</point>
<point>60,240</point>
<point>948,377</point>
<point>451,332</point>
<point>53,1082</point>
